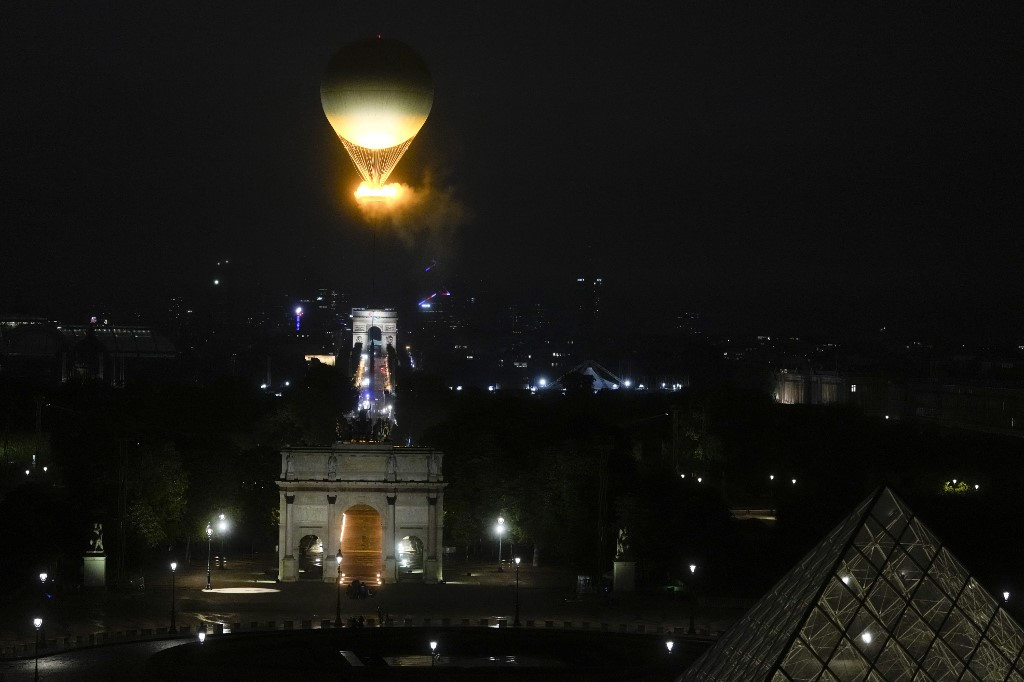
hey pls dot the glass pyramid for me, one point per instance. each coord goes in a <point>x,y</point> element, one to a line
<point>878,599</point>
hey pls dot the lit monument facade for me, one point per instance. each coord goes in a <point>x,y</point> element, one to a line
<point>382,505</point>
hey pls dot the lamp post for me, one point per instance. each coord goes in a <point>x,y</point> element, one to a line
<point>174,567</point>
<point>693,596</point>
<point>516,623</point>
<point>38,622</point>
<point>222,528</point>
<point>209,542</point>
<point>499,529</point>
<point>433,652</point>
<point>337,612</point>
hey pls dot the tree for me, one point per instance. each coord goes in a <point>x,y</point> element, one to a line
<point>157,486</point>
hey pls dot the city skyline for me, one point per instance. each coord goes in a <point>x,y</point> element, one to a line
<point>841,166</point>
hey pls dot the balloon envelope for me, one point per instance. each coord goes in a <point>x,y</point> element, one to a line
<point>376,93</point>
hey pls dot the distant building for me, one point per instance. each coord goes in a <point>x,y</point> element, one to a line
<point>60,353</point>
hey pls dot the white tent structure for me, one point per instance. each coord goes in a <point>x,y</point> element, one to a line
<point>879,598</point>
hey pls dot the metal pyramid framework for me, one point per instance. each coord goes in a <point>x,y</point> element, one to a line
<point>878,599</point>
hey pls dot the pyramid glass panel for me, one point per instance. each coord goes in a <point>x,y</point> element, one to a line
<point>865,606</point>
<point>891,512</point>
<point>886,603</point>
<point>894,663</point>
<point>931,603</point>
<point>977,604</point>
<point>801,664</point>
<point>960,635</point>
<point>903,572</point>
<point>948,573</point>
<point>847,663</point>
<point>1005,635</point>
<point>820,634</point>
<point>988,663</point>
<point>838,600</point>
<point>918,543</point>
<point>874,542</point>
<point>941,663</point>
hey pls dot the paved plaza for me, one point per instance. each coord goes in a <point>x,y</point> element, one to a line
<point>245,592</point>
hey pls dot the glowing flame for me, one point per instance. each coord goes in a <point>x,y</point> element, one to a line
<point>383,193</point>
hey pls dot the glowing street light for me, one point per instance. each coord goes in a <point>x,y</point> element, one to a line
<point>222,528</point>
<point>433,652</point>
<point>669,645</point>
<point>337,611</point>
<point>516,623</point>
<point>1006,597</point>
<point>174,567</point>
<point>38,623</point>
<point>499,529</point>
<point>209,543</point>
<point>202,637</point>
<point>42,577</point>
<point>693,596</point>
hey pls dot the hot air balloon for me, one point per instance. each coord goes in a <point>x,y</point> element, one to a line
<point>376,95</point>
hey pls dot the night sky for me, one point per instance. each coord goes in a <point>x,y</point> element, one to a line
<point>782,166</point>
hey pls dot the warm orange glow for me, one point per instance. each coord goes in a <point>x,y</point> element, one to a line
<point>367,192</point>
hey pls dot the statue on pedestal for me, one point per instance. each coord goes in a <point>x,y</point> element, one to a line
<point>622,546</point>
<point>96,539</point>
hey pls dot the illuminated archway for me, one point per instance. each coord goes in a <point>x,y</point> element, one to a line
<point>361,544</point>
<point>409,552</point>
<point>311,558</point>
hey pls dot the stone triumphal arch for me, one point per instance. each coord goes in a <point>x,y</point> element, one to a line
<point>370,500</point>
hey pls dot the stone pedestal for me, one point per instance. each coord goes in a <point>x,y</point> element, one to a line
<point>289,569</point>
<point>390,570</point>
<point>431,571</point>
<point>95,570</point>
<point>624,576</point>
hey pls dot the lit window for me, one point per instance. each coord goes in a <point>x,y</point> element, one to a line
<point>853,388</point>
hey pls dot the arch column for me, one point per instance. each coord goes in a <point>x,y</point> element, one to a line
<point>288,571</point>
<point>390,562</point>
<point>431,564</point>
<point>332,541</point>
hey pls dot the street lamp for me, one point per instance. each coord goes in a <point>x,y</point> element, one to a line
<point>42,577</point>
<point>222,528</point>
<point>38,622</point>
<point>1006,597</point>
<point>516,624</point>
<point>337,612</point>
<point>209,542</point>
<point>668,645</point>
<point>499,529</point>
<point>174,567</point>
<point>433,652</point>
<point>693,595</point>
<point>202,636</point>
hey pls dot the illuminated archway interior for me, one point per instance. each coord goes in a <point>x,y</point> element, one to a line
<point>361,537</point>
